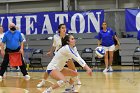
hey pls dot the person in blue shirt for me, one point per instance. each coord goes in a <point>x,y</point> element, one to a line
<point>14,43</point>
<point>106,38</point>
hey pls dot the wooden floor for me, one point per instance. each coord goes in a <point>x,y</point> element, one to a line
<point>122,80</point>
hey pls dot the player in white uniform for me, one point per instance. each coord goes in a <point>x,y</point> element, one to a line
<point>56,67</point>
<point>57,44</point>
<point>1,35</point>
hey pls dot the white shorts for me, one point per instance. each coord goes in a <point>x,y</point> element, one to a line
<point>110,48</point>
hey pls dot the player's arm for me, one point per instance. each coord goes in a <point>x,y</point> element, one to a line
<point>75,55</point>
<point>3,45</point>
<point>52,48</point>
<point>99,39</point>
<point>117,39</point>
<point>2,49</point>
<point>99,42</point>
<point>51,51</point>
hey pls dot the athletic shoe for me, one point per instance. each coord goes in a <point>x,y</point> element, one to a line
<point>47,90</point>
<point>105,70</point>
<point>5,74</point>
<point>110,68</point>
<point>71,88</point>
<point>41,84</point>
<point>18,68</point>
<point>27,77</point>
<point>0,78</point>
<point>78,82</point>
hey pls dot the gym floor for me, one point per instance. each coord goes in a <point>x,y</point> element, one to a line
<point>122,80</point>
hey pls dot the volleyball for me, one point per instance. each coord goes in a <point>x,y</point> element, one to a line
<point>100,52</point>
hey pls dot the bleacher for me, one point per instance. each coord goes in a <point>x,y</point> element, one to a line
<point>86,40</point>
<point>41,41</point>
<point>127,48</point>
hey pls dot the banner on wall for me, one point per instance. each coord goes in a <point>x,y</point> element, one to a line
<point>132,19</point>
<point>47,22</point>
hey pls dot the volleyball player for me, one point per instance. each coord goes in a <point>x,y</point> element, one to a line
<point>57,43</point>
<point>1,37</point>
<point>56,68</point>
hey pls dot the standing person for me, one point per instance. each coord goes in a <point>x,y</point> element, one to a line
<point>56,67</point>
<point>14,43</point>
<point>106,38</point>
<point>1,36</point>
<point>57,44</point>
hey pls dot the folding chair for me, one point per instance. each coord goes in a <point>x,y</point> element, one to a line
<point>136,58</point>
<point>98,61</point>
<point>87,55</point>
<point>36,58</point>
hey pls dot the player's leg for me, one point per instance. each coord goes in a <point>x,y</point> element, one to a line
<point>56,74</point>
<point>73,77</point>
<point>45,76</point>
<point>23,69</point>
<point>106,59</point>
<point>4,65</point>
<point>111,52</point>
<point>71,65</point>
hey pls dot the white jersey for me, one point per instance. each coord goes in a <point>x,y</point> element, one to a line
<point>1,37</point>
<point>23,37</point>
<point>63,55</point>
<point>57,42</point>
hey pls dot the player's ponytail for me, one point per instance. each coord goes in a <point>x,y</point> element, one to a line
<point>66,40</point>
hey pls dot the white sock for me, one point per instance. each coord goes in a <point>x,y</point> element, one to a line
<point>18,67</point>
<point>77,76</point>
<point>50,89</point>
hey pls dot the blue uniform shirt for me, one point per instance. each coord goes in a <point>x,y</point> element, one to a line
<point>106,37</point>
<point>12,40</point>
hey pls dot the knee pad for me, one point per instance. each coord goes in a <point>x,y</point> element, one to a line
<point>61,83</point>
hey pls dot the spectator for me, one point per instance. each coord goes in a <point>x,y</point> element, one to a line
<point>105,38</point>
<point>14,43</point>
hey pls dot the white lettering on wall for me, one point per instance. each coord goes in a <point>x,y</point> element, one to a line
<point>94,21</point>
<point>18,22</point>
<point>61,18</point>
<point>30,24</point>
<point>81,23</point>
<point>47,25</point>
<point>2,18</point>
